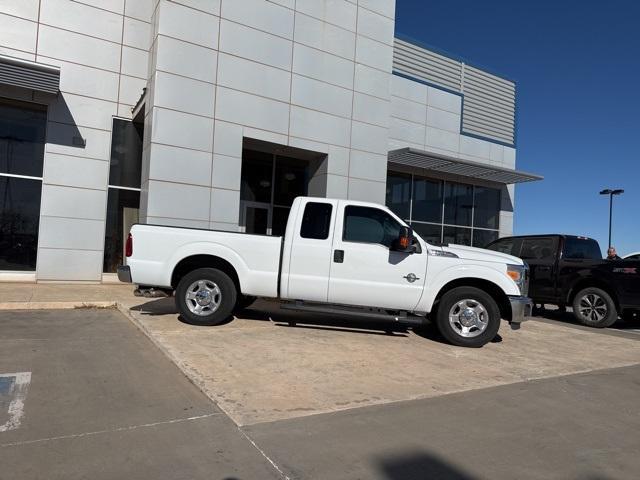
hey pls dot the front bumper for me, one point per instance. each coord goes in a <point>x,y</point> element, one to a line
<point>124,273</point>
<point>521,308</point>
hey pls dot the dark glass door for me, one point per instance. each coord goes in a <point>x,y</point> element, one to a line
<point>22,138</point>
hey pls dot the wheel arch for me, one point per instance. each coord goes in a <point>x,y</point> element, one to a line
<point>193,262</point>
<point>487,286</point>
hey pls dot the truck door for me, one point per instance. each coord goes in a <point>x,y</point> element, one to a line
<point>310,258</point>
<point>364,271</point>
<point>541,254</point>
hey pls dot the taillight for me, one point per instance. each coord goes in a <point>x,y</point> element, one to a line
<point>128,249</point>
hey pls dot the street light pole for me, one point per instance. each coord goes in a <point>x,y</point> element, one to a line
<point>611,193</point>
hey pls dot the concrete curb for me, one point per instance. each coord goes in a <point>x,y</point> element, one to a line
<point>55,305</point>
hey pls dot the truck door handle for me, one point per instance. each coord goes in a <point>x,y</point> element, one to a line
<point>338,256</point>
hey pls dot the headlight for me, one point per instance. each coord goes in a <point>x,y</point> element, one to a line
<point>517,273</point>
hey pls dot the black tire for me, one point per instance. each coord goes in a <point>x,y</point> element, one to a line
<point>211,314</point>
<point>603,315</point>
<point>454,334</point>
<point>244,301</point>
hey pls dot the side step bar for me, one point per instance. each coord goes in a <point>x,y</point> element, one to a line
<point>354,312</point>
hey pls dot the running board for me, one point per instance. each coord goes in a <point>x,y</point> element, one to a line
<point>354,312</point>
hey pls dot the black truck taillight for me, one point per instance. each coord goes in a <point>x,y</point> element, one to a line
<point>128,249</point>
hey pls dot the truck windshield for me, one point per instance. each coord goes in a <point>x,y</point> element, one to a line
<point>580,248</point>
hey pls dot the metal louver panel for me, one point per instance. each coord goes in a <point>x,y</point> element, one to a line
<point>412,157</point>
<point>489,105</point>
<point>31,75</point>
<point>426,65</point>
<point>488,108</point>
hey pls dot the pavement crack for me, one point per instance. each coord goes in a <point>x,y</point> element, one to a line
<point>113,430</point>
<point>262,452</point>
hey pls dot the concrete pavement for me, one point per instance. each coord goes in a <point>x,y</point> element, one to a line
<point>104,403</point>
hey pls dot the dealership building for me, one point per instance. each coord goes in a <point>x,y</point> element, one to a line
<point>216,114</point>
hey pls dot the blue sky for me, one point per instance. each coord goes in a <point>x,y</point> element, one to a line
<point>577,69</point>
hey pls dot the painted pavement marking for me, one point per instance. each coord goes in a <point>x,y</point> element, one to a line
<point>14,386</point>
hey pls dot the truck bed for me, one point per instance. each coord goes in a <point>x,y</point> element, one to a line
<point>157,249</point>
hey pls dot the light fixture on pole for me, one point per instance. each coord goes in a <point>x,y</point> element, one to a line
<point>611,193</point>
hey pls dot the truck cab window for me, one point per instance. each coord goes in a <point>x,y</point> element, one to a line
<point>581,249</point>
<point>503,246</point>
<point>542,248</point>
<point>316,221</point>
<point>369,225</point>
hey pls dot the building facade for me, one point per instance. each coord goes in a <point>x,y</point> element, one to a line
<point>215,114</point>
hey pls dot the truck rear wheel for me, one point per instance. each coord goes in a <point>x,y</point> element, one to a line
<point>468,317</point>
<point>594,307</point>
<point>206,296</point>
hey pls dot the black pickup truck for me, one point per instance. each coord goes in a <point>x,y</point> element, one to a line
<point>569,271</point>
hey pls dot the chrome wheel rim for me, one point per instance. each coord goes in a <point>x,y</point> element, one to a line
<point>592,307</point>
<point>203,297</point>
<point>468,318</point>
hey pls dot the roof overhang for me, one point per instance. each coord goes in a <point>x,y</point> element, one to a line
<point>412,157</point>
<point>32,75</point>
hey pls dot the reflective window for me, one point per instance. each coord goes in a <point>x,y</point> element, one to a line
<point>427,200</point>
<point>482,238</point>
<point>458,204</point>
<point>429,232</point>
<point>126,154</point>
<point>432,206</point>
<point>123,199</point>
<point>291,180</point>
<point>399,194</point>
<point>122,213</point>
<point>504,246</point>
<point>22,138</point>
<point>316,221</point>
<point>581,248</point>
<point>539,248</point>
<point>487,207</point>
<point>369,225</point>
<point>279,221</point>
<point>19,220</point>
<point>457,235</point>
<point>257,176</point>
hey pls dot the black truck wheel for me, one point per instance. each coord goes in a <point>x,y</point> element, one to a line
<point>206,296</point>
<point>468,317</point>
<point>594,307</point>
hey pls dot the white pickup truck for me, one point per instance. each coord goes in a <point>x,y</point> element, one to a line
<point>339,257</point>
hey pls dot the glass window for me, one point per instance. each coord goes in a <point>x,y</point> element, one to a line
<point>399,193</point>
<point>22,137</point>
<point>427,200</point>
<point>126,154</point>
<point>291,180</point>
<point>458,204</point>
<point>122,212</point>
<point>504,246</point>
<point>256,177</point>
<point>369,225</point>
<point>581,248</point>
<point>279,221</point>
<point>487,208</point>
<point>633,257</point>
<point>19,221</point>
<point>482,238</point>
<point>539,248</point>
<point>457,235</point>
<point>316,221</point>
<point>429,232</point>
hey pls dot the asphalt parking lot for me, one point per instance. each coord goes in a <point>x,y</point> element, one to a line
<point>317,400</point>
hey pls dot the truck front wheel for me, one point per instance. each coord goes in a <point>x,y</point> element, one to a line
<point>468,317</point>
<point>206,296</point>
<point>594,307</point>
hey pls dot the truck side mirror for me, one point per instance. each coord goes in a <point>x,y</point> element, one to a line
<point>404,242</point>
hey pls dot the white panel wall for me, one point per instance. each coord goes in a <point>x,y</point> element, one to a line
<point>103,54</point>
